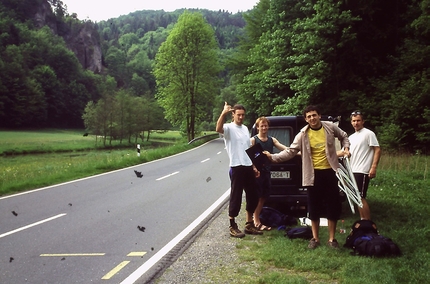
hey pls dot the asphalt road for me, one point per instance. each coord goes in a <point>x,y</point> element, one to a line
<point>114,227</point>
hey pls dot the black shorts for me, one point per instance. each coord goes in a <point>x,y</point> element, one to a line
<point>362,181</point>
<point>323,197</point>
<point>264,184</point>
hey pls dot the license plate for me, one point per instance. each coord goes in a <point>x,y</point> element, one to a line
<point>285,174</point>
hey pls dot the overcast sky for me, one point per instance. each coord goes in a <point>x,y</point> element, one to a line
<point>98,10</point>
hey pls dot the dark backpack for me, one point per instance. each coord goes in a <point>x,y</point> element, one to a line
<point>365,240</point>
<point>273,218</point>
<point>299,232</point>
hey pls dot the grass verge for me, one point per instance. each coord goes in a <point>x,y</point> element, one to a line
<point>398,199</point>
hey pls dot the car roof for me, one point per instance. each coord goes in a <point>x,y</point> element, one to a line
<point>284,120</point>
<point>296,121</point>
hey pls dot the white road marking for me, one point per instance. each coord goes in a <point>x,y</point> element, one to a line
<point>219,153</point>
<point>32,225</point>
<point>168,247</point>
<point>73,254</point>
<point>169,175</point>
<point>205,160</point>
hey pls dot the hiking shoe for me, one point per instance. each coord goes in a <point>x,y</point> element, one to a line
<point>235,232</point>
<point>251,229</point>
<point>333,244</point>
<point>313,243</point>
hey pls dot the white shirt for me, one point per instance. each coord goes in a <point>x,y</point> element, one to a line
<point>361,149</point>
<point>237,140</point>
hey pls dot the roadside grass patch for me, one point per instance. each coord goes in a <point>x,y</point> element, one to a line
<point>33,159</point>
<point>58,140</point>
<point>398,200</point>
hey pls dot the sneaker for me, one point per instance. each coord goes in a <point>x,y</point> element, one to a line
<point>235,232</point>
<point>333,244</point>
<point>313,243</point>
<point>251,229</point>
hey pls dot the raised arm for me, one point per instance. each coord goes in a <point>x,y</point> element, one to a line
<point>221,119</point>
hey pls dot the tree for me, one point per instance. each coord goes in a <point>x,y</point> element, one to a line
<point>186,70</point>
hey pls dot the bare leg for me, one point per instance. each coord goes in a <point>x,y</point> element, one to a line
<point>257,212</point>
<point>331,229</point>
<point>365,211</point>
<point>249,216</point>
<point>315,229</point>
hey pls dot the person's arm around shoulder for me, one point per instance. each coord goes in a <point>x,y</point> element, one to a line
<point>375,161</point>
<point>221,119</point>
<point>278,144</point>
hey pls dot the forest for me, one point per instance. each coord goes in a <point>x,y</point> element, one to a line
<point>275,59</point>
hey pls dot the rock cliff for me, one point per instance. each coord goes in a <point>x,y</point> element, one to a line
<point>81,37</point>
<point>86,45</point>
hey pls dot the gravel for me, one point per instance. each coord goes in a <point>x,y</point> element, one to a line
<point>212,249</point>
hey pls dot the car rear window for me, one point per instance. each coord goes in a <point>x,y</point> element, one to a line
<point>283,134</point>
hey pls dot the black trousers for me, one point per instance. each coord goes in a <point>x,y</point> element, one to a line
<point>242,178</point>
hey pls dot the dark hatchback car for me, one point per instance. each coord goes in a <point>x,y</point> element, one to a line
<point>287,193</point>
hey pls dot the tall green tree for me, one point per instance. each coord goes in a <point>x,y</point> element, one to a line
<point>265,84</point>
<point>186,69</point>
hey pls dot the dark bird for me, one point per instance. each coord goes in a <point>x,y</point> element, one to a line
<point>141,228</point>
<point>11,259</point>
<point>208,179</point>
<point>70,204</point>
<point>138,174</point>
<point>14,213</point>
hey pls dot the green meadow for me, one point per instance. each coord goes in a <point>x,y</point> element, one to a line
<point>32,159</point>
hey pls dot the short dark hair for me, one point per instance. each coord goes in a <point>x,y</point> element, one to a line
<point>238,106</point>
<point>311,108</point>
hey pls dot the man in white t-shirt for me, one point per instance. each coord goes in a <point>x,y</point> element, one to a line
<point>365,155</point>
<point>242,171</point>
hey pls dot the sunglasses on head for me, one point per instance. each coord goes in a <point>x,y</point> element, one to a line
<point>356,113</point>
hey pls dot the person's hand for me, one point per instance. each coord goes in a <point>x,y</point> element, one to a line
<point>269,156</point>
<point>256,172</point>
<point>343,153</point>
<point>227,108</point>
<point>372,172</point>
<point>347,153</point>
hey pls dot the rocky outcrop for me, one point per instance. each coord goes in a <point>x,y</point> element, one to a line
<point>81,37</point>
<point>44,17</point>
<point>86,46</point>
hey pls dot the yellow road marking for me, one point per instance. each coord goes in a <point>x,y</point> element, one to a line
<point>72,254</point>
<point>137,253</point>
<point>115,270</point>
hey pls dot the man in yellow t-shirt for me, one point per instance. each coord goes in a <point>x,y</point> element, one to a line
<point>316,142</point>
